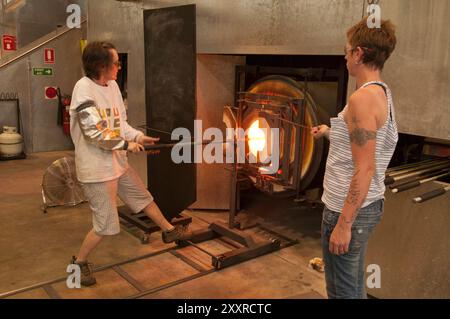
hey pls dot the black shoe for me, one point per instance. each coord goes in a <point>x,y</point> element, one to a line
<point>178,233</point>
<point>87,277</point>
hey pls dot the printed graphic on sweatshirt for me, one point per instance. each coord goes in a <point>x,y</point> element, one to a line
<point>112,119</point>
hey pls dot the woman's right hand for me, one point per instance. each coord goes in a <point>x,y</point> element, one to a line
<point>135,147</point>
<point>320,131</point>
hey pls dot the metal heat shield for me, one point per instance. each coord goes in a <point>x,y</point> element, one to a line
<point>170,85</point>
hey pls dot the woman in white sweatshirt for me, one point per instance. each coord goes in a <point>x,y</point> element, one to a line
<point>102,138</point>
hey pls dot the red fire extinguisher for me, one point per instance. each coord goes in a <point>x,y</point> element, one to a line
<point>63,112</point>
<point>66,116</point>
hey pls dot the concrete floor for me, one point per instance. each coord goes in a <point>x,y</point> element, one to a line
<point>36,247</point>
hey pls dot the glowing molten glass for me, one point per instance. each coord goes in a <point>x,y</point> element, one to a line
<point>256,138</point>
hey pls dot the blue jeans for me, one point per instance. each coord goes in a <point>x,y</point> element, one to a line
<point>344,274</point>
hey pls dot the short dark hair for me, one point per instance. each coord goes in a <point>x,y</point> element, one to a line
<point>96,56</point>
<point>377,43</point>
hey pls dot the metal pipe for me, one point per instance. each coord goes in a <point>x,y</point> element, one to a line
<point>417,183</point>
<point>391,180</point>
<point>155,130</point>
<point>396,168</point>
<point>418,178</point>
<point>293,123</point>
<point>234,193</point>
<point>183,144</point>
<point>429,195</point>
<point>417,167</point>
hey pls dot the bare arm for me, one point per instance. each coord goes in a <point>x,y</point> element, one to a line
<point>362,126</point>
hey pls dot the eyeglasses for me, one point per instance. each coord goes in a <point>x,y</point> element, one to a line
<point>354,49</point>
<point>118,64</point>
<point>346,51</point>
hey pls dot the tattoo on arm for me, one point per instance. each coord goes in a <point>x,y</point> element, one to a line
<point>353,198</point>
<point>360,136</point>
<point>353,192</point>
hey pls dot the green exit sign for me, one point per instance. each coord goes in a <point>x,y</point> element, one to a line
<point>42,71</point>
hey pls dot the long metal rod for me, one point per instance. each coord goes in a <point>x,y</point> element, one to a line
<point>184,144</point>
<point>301,144</point>
<point>171,284</point>
<point>235,189</point>
<point>204,142</point>
<point>38,46</point>
<point>279,118</point>
<point>418,178</point>
<point>417,167</point>
<point>154,129</point>
<point>390,180</point>
<point>417,183</point>
<point>295,124</point>
<point>181,144</point>
<point>423,170</point>
<point>396,168</point>
<point>414,166</point>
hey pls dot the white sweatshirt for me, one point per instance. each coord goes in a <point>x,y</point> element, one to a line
<point>94,164</point>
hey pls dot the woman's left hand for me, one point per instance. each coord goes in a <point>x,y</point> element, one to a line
<point>340,239</point>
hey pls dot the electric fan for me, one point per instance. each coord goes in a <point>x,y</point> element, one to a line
<point>60,186</point>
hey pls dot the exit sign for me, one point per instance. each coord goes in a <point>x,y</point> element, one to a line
<point>43,71</point>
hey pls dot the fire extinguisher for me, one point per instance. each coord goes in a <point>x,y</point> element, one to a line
<point>63,112</point>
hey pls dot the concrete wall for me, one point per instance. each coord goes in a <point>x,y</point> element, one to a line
<point>272,26</point>
<point>33,19</point>
<point>39,116</point>
<point>418,72</point>
<point>419,69</point>
<point>7,26</point>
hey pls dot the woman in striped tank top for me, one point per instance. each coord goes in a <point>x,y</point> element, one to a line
<point>362,140</point>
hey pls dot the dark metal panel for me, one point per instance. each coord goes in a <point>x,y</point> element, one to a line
<point>170,73</point>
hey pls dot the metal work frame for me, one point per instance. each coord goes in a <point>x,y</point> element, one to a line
<point>316,74</point>
<point>249,247</point>
<point>246,247</point>
<point>297,120</point>
<point>145,224</point>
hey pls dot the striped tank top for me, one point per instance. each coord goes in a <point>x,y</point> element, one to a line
<point>340,168</point>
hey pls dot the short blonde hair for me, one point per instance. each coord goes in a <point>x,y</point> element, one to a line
<point>377,43</point>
